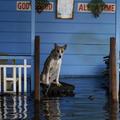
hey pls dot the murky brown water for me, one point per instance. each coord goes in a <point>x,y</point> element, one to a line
<point>89,103</point>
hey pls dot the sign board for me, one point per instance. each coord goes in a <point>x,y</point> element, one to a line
<point>47,7</point>
<point>26,6</point>
<point>109,8</point>
<point>23,5</point>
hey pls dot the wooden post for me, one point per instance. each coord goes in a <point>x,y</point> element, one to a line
<point>36,68</point>
<point>114,110</point>
<point>114,90</point>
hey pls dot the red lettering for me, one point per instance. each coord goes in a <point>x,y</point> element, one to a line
<point>19,5</point>
<point>109,7</point>
<point>23,5</point>
<point>81,8</point>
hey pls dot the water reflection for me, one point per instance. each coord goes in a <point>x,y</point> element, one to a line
<point>50,109</point>
<point>13,107</point>
<point>78,107</point>
<point>114,110</point>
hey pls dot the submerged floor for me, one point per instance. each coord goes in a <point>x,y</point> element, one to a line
<point>89,103</point>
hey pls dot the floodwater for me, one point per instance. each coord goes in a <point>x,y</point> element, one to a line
<point>89,103</point>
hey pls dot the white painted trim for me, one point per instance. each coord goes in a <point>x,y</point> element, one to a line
<point>14,79</point>
<point>4,78</point>
<point>20,79</point>
<point>12,66</point>
<point>25,75</point>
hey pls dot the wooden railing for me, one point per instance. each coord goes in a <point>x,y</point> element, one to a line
<point>14,79</point>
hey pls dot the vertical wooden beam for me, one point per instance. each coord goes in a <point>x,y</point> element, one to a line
<point>113,110</point>
<point>114,90</point>
<point>36,68</point>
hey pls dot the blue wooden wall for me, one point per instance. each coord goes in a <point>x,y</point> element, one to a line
<point>14,29</point>
<point>87,37</point>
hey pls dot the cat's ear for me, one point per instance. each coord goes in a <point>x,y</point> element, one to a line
<point>65,46</point>
<point>55,45</point>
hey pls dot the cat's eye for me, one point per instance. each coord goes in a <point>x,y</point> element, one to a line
<point>62,51</point>
<point>57,51</point>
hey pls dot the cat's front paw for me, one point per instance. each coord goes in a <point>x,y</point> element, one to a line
<point>59,84</point>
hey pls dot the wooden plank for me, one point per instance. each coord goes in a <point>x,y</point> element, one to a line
<point>114,110</point>
<point>78,49</point>
<point>68,28</point>
<point>73,60</point>
<point>36,68</point>
<point>58,28</point>
<point>114,94</point>
<point>79,18</point>
<point>80,70</point>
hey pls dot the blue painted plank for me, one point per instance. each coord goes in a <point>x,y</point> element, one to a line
<point>81,70</point>
<point>9,5</point>
<point>58,27</point>
<point>21,49</point>
<point>78,18</point>
<point>15,27</point>
<point>15,16</point>
<point>78,28</point>
<point>47,38</point>
<point>99,39</point>
<point>7,37</point>
<point>78,49</point>
<point>78,60</point>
